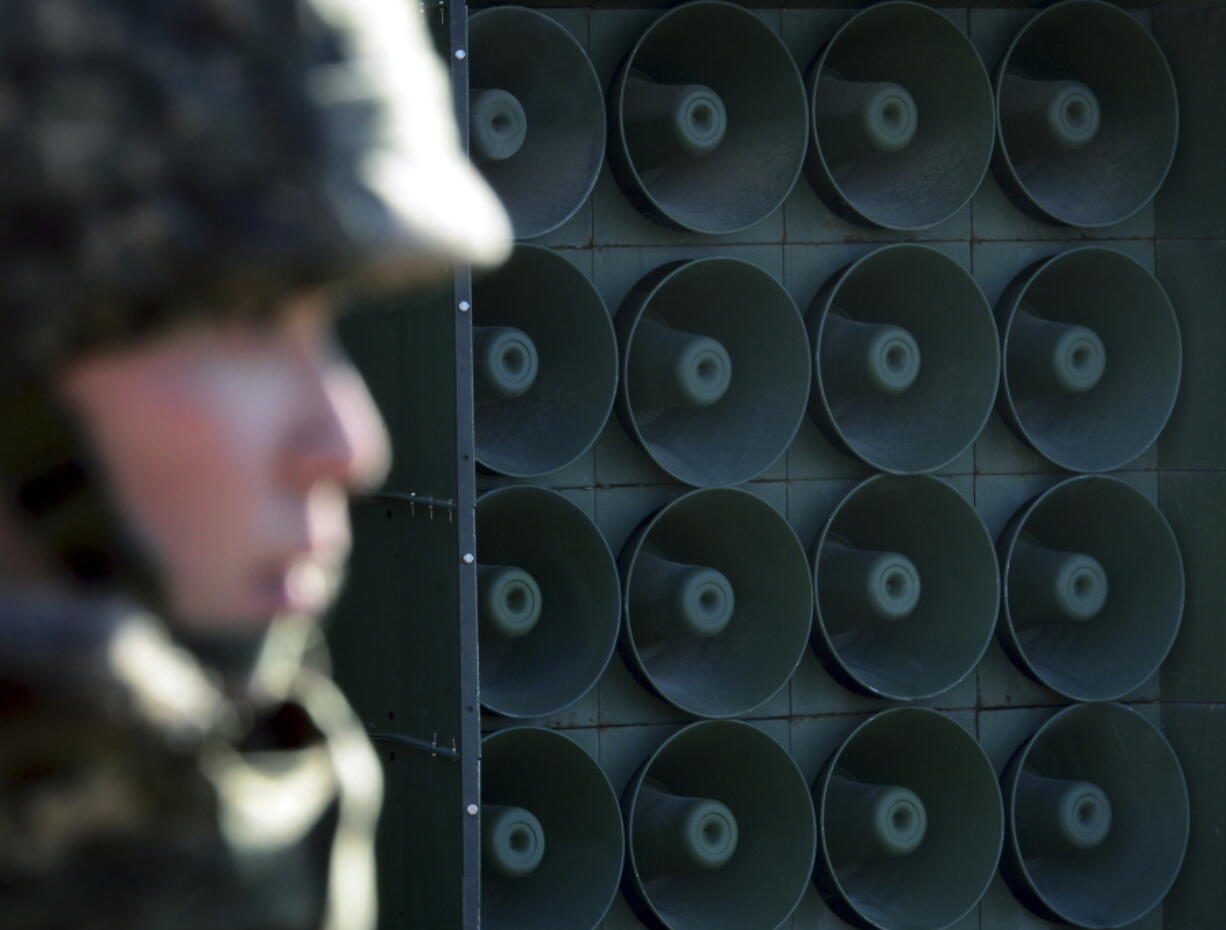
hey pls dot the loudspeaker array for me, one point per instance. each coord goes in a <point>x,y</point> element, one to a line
<point>899,359</point>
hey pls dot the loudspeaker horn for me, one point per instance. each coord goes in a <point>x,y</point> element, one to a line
<point>902,118</point>
<point>721,831</point>
<point>536,116</point>
<point>1097,817</point>
<point>544,364</point>
<point>1087,113</point>
<point>1092,358</point>
<point>718,602</point>
<point>713,393</point>
<point>907,359</point>
<point>1093,588</point>
<point>552,841</point>
<point>907,588</point>
<point>707,119</point>
<point>548,601</point>
<point>910,821</point>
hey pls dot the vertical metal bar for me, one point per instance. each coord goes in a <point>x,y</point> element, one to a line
<point>470,730</point>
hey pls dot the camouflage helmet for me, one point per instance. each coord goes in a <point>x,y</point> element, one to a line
<point>160,160</point>
<point>170,160</point>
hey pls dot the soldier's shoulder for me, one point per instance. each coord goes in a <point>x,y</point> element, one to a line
<point>255,805</point>
<point>99,719</point>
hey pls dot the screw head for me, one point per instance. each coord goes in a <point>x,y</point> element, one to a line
<point>460,54</point>
<point>468,558</point>
<point>471,810</point>
<point>465,306</point>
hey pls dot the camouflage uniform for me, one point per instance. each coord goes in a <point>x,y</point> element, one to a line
<point>163,160</point>
<point>134,794</point>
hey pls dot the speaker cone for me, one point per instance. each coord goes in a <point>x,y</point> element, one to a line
<point>1088,115</point>
<point>721,831</point>
<point>714,394</point>
<point>906,588</point>
<point>718,602</point>
<point>902,118</point>
<point>907,359</point>
<point>544,364</point>
<point>1097,817</point>
<point>1092,358</point>
<point>536,116</point>
<point>548,601</point>
<point>552,840</point>
<point>708,127</point>
<point>910,821</point>
<point>1093,588</point>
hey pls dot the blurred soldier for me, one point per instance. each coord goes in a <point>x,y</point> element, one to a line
<point>183,183</point>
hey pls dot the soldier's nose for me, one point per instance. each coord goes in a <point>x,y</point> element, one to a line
<point>342,438</point>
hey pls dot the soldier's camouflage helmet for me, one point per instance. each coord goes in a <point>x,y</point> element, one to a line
<point>162,159</point>
<point>170,160</point>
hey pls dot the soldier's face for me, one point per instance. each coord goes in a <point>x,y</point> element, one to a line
<point>231,448</point>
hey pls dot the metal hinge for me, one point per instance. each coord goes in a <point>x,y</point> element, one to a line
<point>427,503</point>
<point>421,745</point>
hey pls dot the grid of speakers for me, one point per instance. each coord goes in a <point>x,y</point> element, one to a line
<point>899,359</point>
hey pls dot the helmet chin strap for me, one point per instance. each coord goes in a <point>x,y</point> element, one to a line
<point>257,661</point>
<point>60,502</point>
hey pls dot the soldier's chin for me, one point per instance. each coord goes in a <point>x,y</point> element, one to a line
<point>305,588</point>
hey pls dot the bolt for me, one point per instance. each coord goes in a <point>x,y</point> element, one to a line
<point>468,558</point>
<point>465,306</point>
<point>472,810</point>
<point>460,54</point>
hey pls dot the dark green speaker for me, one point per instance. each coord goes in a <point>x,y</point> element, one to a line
<point>715,370</point>
<point>1093,588</point>
<point>552,842</point>
<point>548,601</point>
<point>707,119</point>
<point>910,822</point>
<point>536,116</point>
<point>1092,358</point>
<point>906,588</point>
<point>721,831</point>
<point>718,602</point>
<point>1097,817</point>
<point>1088,115</point>
<point>907,359</point>
<point>902,118</point>
<point>544,364</point>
